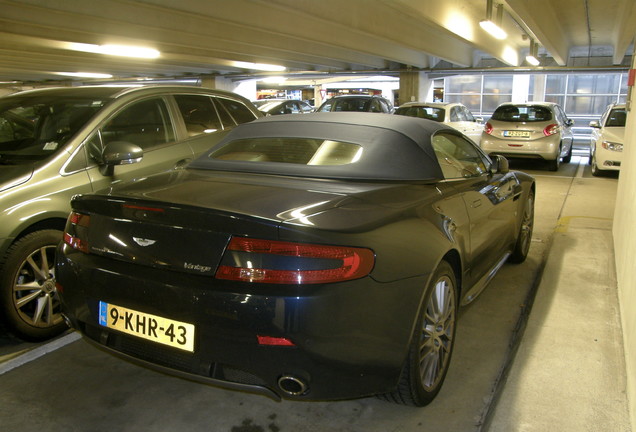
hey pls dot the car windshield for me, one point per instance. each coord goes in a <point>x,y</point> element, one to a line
<point>429,113</point>
<point>616,118</point>
<point>303,151</point>
<point>33,128</point>
<point>523,113</point>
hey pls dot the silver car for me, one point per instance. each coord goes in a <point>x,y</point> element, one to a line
<point>55,143</point>
<point>455,115</point>
<point>539,130</point>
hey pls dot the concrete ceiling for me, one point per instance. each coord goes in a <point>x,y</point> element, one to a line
<point>308,37</point>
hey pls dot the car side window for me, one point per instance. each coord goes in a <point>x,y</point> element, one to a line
<point>327,106</point>
<point>237,111</point>
<point>198,113</point>
<point>375,106</point>
<point>292,108</point>
<point>468,116</point>
<point>454,115</point>
<point>457,157</point>
<point>305,107</point>
<point>146,124</point>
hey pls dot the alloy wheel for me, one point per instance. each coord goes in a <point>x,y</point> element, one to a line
<point>34,294</point>
<point>436,340</point>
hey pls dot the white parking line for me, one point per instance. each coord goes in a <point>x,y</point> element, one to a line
<point>38,352</point>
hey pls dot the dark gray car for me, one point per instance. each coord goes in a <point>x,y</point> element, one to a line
<point>55,143</point>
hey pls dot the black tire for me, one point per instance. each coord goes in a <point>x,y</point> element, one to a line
<point>568,157</point>
<point>432,343</point>
<point>524,237</point>
<point>553,165</point>
<point>28,298</point>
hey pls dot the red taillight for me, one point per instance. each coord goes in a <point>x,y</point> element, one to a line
<point>488,128</point>
<point>275,341</point>
<point>551,129</point>
<point>75,231</point>
<point>269,261</point>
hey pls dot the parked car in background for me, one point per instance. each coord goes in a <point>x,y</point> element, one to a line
<point>453,114</point>
<point>326,272</point>
<point>282,106</point>
<point>58,142</point>
<point>539,130</point>
<point>608,139</point>
<point>362,103</point>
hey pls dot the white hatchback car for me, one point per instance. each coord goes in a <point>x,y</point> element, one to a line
<point>455,115</point>
<point>608,138</point>
<point>538,130</point>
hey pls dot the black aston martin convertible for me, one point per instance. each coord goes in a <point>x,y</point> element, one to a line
<point>307,257</point>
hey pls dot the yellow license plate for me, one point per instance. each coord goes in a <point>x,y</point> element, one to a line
<point>152,327</point>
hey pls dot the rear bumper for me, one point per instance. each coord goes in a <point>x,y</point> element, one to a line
<point>546,148</point>
<point>351,339</point>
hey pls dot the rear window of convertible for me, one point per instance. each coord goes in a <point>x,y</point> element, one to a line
<point>300,151</point>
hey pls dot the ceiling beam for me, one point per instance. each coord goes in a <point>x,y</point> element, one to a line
<point>624,31</point>
<point>540,18</point>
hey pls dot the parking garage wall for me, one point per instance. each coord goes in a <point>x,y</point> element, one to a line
<point>624,231</point>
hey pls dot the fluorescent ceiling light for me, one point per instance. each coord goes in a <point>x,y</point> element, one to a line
<point>84,74</point>
<point>532,60</point>
<point>116,50</point>
<point>259,66</point>
<point>493,29</point>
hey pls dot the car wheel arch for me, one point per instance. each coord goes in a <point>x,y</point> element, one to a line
<point>56,223</point>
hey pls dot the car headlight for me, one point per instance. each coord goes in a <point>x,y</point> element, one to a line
<point>608,145</point>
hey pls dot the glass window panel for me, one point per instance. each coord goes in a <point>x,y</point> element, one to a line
<point>586,105</point>
<point>463,84</point>
<point>555,84</point>
<point>498,84</point>
<point>593,84</point>
<point>623,89</point>
<point>473,102</point>
<point>491,102</point>
<point>555,98</point>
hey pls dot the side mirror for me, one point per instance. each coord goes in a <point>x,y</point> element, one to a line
<point>595,124</point>
<point>500,165</point>
<point>119,153</point>
<point>569,122</point>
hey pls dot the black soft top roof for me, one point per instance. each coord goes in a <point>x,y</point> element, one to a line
<point>394,147</point>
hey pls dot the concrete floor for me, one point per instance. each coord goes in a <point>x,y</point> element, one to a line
<point>539,350</point>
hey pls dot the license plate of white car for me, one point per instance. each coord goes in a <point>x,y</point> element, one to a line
<point>519,134</point>
<point>165,331</point>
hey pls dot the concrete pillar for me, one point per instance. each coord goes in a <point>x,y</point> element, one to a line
<point>520,88</point>
<point>414,86</point>
<point>539,87</point>
<point>318,95</point>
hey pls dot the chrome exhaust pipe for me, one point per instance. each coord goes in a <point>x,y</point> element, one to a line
<point>292,385</point>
